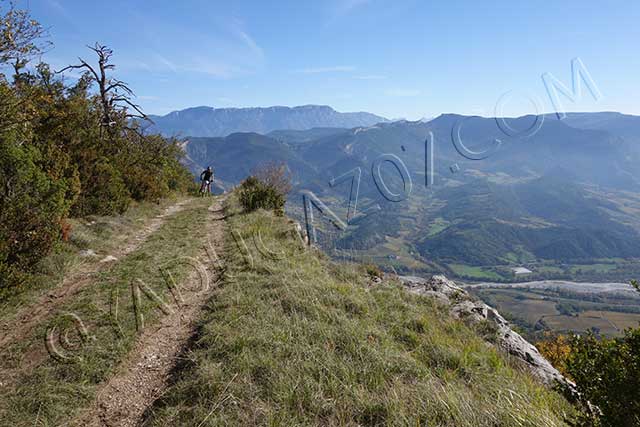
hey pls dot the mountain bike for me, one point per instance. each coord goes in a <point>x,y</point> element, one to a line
<point>205,188</point>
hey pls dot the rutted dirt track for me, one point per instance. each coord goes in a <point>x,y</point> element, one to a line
<point>33,314</point>
<point>142,377</point>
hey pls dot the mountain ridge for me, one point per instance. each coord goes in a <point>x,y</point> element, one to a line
<point>565,194</point>
<point>205,121</point>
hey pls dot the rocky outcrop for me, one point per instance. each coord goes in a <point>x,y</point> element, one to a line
<point>463,306</point>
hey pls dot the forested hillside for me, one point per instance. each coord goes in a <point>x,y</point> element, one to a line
<point>545,201</point>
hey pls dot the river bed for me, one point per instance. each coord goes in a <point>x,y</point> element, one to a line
<point>586,287</point>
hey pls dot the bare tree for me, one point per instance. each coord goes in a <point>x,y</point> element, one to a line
<point>115,95</point>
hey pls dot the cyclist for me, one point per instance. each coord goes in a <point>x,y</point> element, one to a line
<point>206,177</point>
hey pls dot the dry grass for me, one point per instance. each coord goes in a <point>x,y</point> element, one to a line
<point>297,340</point>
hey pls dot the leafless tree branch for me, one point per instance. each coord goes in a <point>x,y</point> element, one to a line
<point>115,95</point>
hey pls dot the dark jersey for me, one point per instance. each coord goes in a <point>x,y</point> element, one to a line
<point>206,175</point>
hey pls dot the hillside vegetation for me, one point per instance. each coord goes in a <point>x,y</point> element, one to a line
<point>67,149</point>
<point>545,202</point>
<point>292,338</point>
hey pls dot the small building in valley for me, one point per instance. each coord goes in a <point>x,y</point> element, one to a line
<point>519,271</point>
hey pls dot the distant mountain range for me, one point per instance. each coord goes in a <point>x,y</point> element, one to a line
<point>570,193</point>
<point>211,122</point>
<point>625,125</point>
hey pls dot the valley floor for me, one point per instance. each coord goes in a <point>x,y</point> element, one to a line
<point>538,307</point>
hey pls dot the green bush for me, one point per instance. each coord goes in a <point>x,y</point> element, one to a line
<point>374,271</point>
<point>607,373</point>
<point>255,194</point>
<point>32,208</point>
<point>103,191</point>
<point>151,167</point>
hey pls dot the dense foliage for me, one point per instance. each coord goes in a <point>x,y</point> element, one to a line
<point>605,370</point>
<point>556,349</point>
<point>266,189</point>
<point>67,149</point>
<point>255,194</point>
<point>33,206</point>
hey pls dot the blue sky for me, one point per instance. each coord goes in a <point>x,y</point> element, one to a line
<point>400,58</point>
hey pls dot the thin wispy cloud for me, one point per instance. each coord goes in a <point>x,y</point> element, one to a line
<point>402,92</point>
<point>237,28</point>
<point>244,56</point>
<point>55,8</point>
<point>196,64</point>
<point>165,62</point>
<point>370,77</point>
<point>225,48</point>
<point>133,64</point>
<point>332,69</point>
<point>205,65</point>
<point>55,5</point>
<point>246,38</point>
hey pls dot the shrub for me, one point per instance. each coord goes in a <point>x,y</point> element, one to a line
<point>607,372</point>
<point>255,194</point>
<point>374,271</point>
<point>151,167</point>
<point>32,208</point>
<point>103,191</point>
<point>557,350</point>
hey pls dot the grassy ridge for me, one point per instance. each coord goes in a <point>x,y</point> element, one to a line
<point>53,391</point>
<point>295,339</point>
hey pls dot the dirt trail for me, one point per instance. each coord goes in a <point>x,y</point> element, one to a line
<point>33,314</point>
<point>143,376</point>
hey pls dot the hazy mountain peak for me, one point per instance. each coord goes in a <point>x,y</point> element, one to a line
<point>209,121</point>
